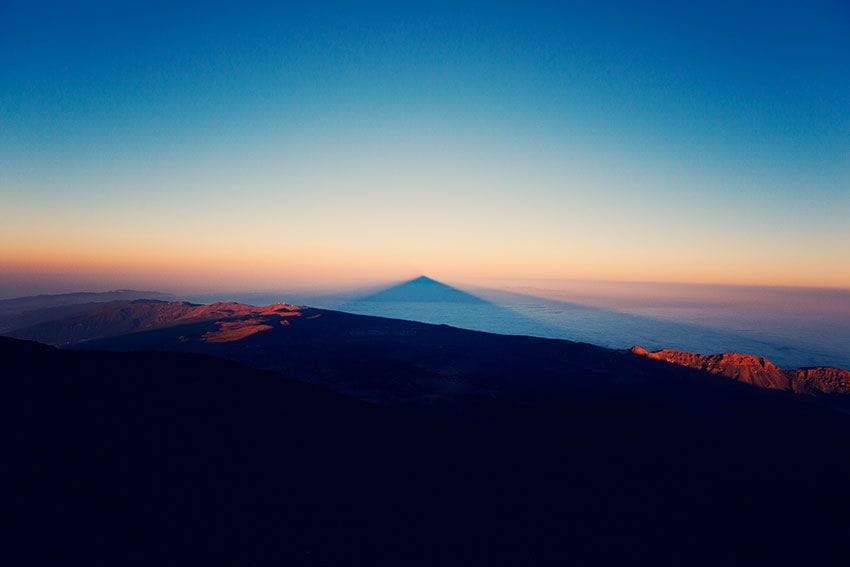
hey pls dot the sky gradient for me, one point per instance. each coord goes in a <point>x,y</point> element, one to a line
<point>259,145</point>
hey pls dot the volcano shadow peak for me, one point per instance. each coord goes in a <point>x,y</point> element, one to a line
<point>429,301</point>
<point>424,290</point>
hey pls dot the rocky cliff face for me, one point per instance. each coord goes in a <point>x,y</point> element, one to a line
<point>823,379</point>
<point>758,371</point>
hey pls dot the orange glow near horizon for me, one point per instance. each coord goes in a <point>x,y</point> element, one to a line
<point>183,268</point>
<point>364,231</point>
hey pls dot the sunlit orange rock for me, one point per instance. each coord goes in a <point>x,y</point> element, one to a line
<point>229,331</point>
<point>757,371</point>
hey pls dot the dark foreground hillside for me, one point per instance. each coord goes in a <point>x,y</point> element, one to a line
<point>172,459</point>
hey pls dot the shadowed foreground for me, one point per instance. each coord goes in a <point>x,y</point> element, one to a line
<point>167,458</point>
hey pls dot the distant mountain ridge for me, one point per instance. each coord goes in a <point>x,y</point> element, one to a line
<point>758,371</point>
<point>120,317</point>
<point>21,312</point>
<point>42,301</point>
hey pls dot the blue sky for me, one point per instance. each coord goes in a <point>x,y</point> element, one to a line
<point>709,140</point>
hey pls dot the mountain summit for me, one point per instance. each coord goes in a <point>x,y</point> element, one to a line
<point>424,290</point>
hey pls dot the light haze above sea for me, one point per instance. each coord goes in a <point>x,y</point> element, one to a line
<point>792,327</point>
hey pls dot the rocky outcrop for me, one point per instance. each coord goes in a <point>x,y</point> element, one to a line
<point>823,379</point>
<point>758,371</point>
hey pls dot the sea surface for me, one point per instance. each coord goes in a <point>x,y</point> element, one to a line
<point>793,327</point>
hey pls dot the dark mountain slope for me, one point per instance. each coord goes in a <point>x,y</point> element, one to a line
<point>441,369</point>
<point>148,458</point>
<point>173,459</point>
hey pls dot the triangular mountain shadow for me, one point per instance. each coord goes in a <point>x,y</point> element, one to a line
<point>424,290</point>
<point>429,301</point>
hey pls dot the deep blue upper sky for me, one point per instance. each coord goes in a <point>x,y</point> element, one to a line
<point>728,104</point>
